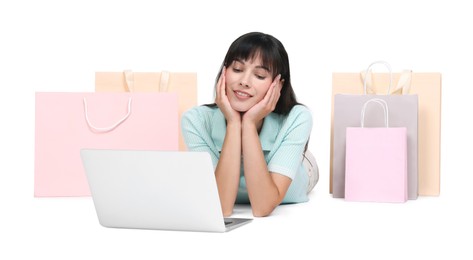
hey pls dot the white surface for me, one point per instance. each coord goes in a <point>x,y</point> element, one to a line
<point>58,45</point>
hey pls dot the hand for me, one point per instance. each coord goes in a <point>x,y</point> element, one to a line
<point>267,104</point>
<point>222,101</point>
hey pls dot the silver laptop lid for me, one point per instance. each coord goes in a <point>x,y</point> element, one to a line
<point>154,189</point>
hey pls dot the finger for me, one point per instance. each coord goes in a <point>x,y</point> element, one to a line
<point>268,95</point>
<point>268,101</point>
<point>221,84</point>
<point>275,97</point>
<point>277,80</point>
<point>276,85</point>
<point>276,92</point>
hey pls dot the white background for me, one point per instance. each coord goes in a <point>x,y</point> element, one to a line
<point>58,45</point>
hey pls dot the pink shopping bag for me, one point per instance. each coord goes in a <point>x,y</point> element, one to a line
<point>404,112</point>
<point>376,161</point>
<point>68,122</point>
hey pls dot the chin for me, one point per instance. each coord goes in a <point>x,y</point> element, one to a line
<point>240,108</point>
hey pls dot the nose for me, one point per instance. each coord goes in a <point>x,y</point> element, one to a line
<point>244,80</point>
<point>244,85</point>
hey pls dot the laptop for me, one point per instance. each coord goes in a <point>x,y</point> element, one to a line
<point>164,190</point>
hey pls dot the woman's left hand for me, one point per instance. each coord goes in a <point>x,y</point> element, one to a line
<point>267,104</point>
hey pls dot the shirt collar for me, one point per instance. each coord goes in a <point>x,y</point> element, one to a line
<point>267,136</point>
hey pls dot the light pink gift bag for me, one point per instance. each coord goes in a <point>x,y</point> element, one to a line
<point>68,122</point>
<point>403,112</point>
<point>376,161</point>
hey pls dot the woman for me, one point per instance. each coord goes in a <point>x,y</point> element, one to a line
<point>256,132</point>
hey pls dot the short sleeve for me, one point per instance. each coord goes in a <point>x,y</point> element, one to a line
<point>196,130</point>
<point>286,157</point>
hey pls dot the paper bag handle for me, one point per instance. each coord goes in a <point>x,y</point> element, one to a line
<point>164,83</point>
<point>368,73</point>
<point>403,85</point>
<point>385,108</point>
<point>105,129</point>
<point>130,80</point>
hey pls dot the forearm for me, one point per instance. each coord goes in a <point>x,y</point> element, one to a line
<point>227,172</point>
<point>262,191</point>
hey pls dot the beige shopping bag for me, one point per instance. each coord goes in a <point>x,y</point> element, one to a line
<point>182,83</point>
<point>428,88</point>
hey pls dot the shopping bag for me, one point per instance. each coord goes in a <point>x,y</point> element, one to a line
<point>376,161</point>
<point>403,113</point>
<point>428,88</point>
<point>68,122</point>
<point>184,84</point>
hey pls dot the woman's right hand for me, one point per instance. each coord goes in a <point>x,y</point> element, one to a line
<point>221,99</point>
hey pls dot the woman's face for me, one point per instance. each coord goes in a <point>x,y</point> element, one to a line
<point>247,82</point>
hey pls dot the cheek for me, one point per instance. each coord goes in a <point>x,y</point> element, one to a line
<point>230,78</point>
<point>262,90</point>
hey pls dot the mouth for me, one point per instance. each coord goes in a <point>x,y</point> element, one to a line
<point>241,94</point>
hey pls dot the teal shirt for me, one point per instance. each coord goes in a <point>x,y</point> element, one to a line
<point>283,140</point>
